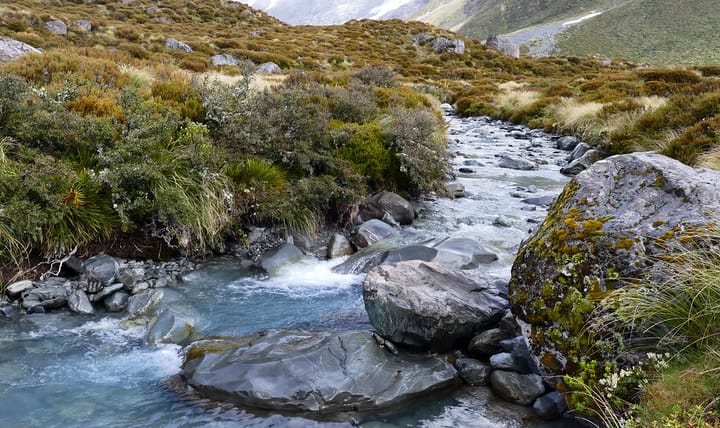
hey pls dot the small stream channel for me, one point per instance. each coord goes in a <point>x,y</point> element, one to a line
<point>65,370</point>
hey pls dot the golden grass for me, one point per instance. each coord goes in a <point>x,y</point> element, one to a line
<point>573,114</point>
<point>516,99</point>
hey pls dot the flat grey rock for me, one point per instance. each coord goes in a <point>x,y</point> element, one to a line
<point>299,371</point>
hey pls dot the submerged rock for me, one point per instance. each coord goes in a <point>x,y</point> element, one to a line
<point>427,305</point>
<point>610,223</point>
<point>171,326</point>
<point>514,162</point>
<point>144,302</point>
<point>463,253</point>
<point>279,257</point>
<point>299,371</point>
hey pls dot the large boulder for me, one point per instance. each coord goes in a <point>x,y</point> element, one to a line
<point>11,49</point>
<point>56,26</point>
<point>268,68</point>
<point>391,203</point>
<point>504,45</point>
<point>427,305</point>
<point>223,59</point>
<point>443,44</point>
<point>175,44</point>
<point>298,371</point>
<point>610,223</point>
<point>99,272</point>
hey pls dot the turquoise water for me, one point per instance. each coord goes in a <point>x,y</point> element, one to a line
<point>65,370</point>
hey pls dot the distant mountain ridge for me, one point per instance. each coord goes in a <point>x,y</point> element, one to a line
<point>322,12</point>
<point>653,31</point>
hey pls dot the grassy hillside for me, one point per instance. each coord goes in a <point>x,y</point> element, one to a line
<point>498,17</point>
<point>652,31</point>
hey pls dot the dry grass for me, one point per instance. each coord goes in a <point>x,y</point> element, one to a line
<point>516,99</point>
<point>573,114</point>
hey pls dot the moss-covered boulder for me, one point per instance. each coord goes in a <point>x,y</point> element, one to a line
<point>614,223</point>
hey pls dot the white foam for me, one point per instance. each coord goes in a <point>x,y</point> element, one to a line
<point>305,279</point>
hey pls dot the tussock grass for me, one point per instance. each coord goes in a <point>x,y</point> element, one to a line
<point>516,99</point>
<point>680,315</point>
<point>572,114</point>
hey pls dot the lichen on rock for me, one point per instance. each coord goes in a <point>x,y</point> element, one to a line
<point>606,229</point>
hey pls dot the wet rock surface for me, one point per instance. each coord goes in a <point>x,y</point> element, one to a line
<point>313,371</point>
<point>426,305</point>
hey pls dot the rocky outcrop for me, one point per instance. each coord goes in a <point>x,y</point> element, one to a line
<point>84,25</point>
<point>174,44</point>
<point>427,305</point>
<point>608,224</point>
<point>443,44</point>
<point>268,68</point>
<point>56,26</point>
<point>504,45</point>
<point>224,59</point>
<point>316,371</point>
<point>11,49</point>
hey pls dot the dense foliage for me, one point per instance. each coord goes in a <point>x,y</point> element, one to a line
<point>194,161</point>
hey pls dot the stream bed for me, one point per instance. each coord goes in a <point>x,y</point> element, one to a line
<point>65,370</point>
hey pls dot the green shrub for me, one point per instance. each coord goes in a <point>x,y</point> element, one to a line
<point>367,152</point>
<point>376,75</point>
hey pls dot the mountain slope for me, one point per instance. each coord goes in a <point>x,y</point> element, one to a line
<point>504,16</point>
<point>322,12</point>
<point>654,31</point>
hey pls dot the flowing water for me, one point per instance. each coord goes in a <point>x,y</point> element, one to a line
<point>64,370</point>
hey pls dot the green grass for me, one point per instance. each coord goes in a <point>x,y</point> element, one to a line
<point>680,316</point>
<point>650,31</point>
